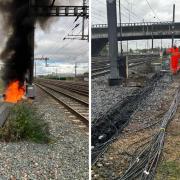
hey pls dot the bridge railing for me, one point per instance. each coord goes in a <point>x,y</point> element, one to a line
<point>133,24</point>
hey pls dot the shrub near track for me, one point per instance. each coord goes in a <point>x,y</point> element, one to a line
<point>24,123</point>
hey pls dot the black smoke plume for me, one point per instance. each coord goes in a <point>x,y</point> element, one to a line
<point>19,25</point>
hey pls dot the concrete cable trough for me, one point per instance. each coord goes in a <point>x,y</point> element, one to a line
<point>4,112</point>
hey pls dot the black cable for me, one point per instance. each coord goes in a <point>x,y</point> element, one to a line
<point>108,127</point>
<point>145,161</point>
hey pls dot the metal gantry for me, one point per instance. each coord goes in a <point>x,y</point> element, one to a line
<point>52,10</point>
<point>38,10</point>
<point>82,36</point>
<point>80,11</point>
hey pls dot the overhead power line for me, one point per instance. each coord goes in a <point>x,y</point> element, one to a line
<point>155,15</point>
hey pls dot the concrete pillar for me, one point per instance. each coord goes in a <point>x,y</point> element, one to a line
<point>113,43</point>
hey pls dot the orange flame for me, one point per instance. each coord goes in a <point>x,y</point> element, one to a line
<point>14,92</point>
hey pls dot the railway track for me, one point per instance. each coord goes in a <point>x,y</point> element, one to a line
<point>108,127</point>
<point>102,72</point>
<point>77,87</point>
<point>101,68</point>
<point>73,101</point>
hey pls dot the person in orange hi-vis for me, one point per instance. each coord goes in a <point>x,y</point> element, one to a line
<point>175,55</point>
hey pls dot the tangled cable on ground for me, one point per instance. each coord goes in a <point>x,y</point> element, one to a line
<point>144,164</point>
<point>107,128</point>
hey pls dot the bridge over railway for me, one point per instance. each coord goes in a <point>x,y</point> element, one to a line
<point>134,31</point>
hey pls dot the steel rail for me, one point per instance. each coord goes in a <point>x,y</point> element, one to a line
<point>77,89</point>
<point>98,74</point>
<point>100,69</point>
<point>73,111</point>
<point>65,94</point>
<point>99,66</point>
<point>76,84</point>
<point>106,70</point>
<point>84,85</point>
<point>69,83</point>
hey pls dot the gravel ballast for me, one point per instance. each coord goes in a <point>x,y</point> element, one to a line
<point>105,96</point>
<point>65,158</point>
<point>119,154</point>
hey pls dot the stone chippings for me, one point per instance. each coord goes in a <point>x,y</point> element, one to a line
<point>104,96</point>
<point>153,107</point>
<point>65,158</point>
<point>119,154</point>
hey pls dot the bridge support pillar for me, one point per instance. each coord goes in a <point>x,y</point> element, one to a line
<point>113,43</point>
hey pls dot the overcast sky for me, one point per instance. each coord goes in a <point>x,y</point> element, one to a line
<point>62,54</point>
<point>139,11</point>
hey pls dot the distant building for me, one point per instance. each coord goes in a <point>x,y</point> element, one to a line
<point>83,77</point>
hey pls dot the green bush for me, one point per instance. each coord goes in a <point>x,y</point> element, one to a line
<point>24,123</point>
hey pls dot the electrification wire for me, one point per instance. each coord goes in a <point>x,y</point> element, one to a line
<point>130,11</point>
<point>56,44</point>
<point>58,47</point>
<point>152,10</point>
<point>99,13</point>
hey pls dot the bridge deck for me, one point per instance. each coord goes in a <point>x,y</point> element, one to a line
<point>135,31</point>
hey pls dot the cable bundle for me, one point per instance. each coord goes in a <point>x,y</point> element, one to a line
<point>144,165</point>
<point>108,127</point>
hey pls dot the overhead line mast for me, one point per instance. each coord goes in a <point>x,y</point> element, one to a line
<point>53,3</point>
<point>51,11</point>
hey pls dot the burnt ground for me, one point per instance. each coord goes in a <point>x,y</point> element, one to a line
<point>115,161</point>
<point>103,96</point>
<point>113,122</point>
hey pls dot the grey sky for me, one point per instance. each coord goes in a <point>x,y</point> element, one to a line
<point>50,43</point>
<point>63,54</point>
<point>139,11</point>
